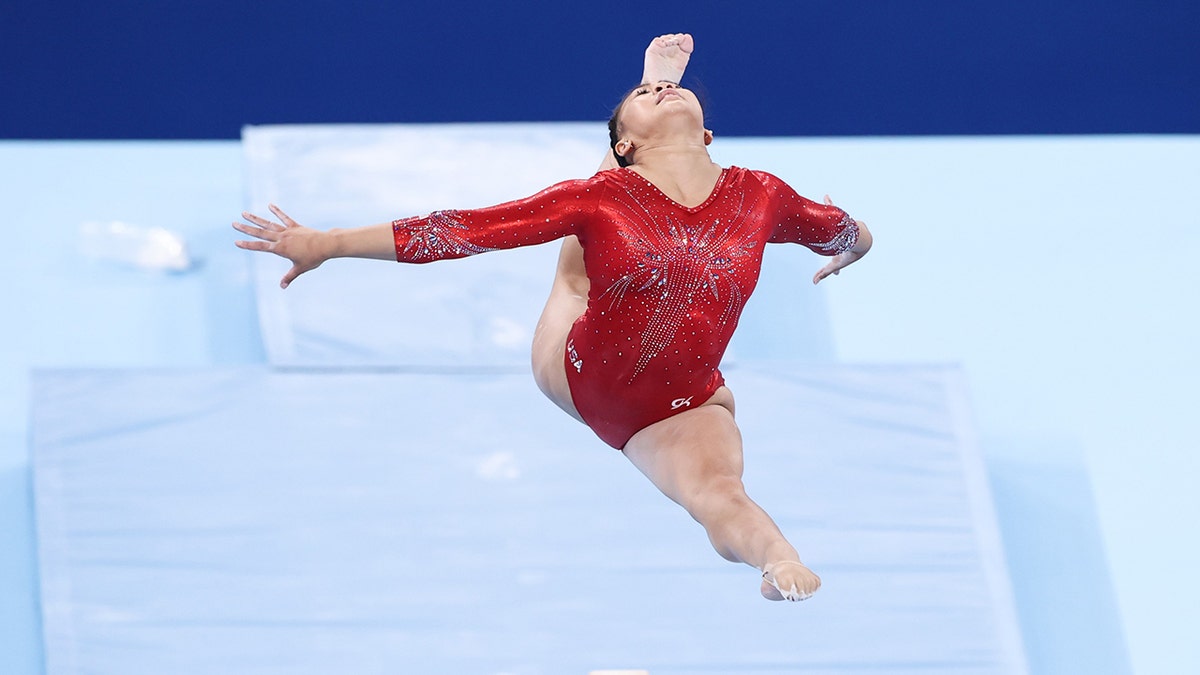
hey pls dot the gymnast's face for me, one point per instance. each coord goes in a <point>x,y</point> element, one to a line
<point>652,113</point>
<point>647,105</point>
<point>650,110</point>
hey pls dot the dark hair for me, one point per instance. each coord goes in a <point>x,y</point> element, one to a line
<point>612,128</point>
<point>612,136</point>
<point>612,124</point>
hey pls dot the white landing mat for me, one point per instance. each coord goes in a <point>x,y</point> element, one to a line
<point>263,522</point>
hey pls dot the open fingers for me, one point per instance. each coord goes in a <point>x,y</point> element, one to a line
<point>826,271</point>
<point>258,232</point>
<point>287,220</point>
<point>254,245</point>
<point>262,222</point>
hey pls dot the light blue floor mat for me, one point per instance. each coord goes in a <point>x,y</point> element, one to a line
<point>257,521</point>
<point>1073,491</point>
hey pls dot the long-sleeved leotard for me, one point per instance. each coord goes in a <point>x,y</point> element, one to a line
<point>668,282</point>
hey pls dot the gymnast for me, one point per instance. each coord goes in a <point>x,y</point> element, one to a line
<point>659,256</point>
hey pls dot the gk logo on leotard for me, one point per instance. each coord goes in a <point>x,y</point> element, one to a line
<point>681,402</point>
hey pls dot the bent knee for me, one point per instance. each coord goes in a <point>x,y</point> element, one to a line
<point>550,375</point>
<point>716,495</point>
<point>545,381</point>
<point>549,371</point>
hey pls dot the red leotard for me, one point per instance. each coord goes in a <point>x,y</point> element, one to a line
<point>668,282</point>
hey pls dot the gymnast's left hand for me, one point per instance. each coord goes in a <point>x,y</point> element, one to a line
<point>841,260</point>
<point>305,247</point>
<point>836,265</point>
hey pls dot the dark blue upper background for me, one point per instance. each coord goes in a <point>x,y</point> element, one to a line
<point>188,69</point>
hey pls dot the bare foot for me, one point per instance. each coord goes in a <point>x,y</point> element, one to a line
<point>789,580</point>
<point>667,57</point>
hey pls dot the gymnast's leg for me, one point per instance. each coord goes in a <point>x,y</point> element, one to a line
<point>567,302</point>
<point>695,458</point>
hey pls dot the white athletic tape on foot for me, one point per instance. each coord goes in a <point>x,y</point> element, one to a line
<point>793,595</point>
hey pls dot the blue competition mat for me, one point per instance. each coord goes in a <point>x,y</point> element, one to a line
<point>257,521</point>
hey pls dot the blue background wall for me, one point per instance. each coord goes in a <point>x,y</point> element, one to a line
<point>125,69</point>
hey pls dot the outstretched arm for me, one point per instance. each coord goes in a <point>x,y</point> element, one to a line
<point>307,248</point>
<point>553,213</point>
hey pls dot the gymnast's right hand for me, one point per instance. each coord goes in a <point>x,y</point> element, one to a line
<point>305,247</point>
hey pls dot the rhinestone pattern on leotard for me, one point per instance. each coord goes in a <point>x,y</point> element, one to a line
<point>685,258</point>
<point>667,282</point>
<point>843,241</point>
<point>437,236</point>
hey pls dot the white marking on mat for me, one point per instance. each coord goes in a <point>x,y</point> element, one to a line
<point>498,466</point>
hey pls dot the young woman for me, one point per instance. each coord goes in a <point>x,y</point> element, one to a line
<point>661,256</point>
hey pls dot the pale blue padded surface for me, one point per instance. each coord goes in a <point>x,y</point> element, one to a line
<point>293,522</point>
<point>1047,503</point>
<point>63,310</point>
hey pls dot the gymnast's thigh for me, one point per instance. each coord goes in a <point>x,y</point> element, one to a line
<point>685,453</point>
<point>567,302</point>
